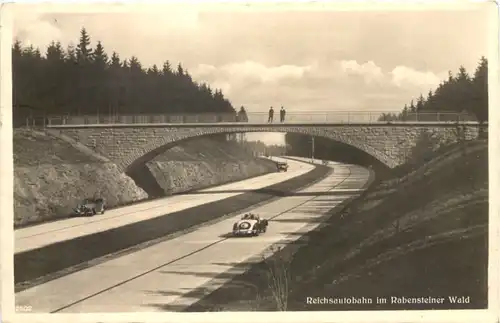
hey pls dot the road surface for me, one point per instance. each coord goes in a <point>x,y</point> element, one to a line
<point>30,238</point>
<point>174,274</point>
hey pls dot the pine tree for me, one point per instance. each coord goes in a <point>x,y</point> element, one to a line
<point>100,58</point>
<point>429,102</point>
<point>37,53</point>
<point>404,114</point>
<point>462,74</point>
<point>115,60</point>
<point>116,86</point>
<point>154,71</point>
<point>30,51</point>
<point>101,81</point>
<point>450,77</point>
<point>55,52</point>
<point>83,49</point>
<point>462,90</point>
<point>135,65</point>
<point>17,49</point>
<point>413,109</point>
<point>17,83</point>
<point>167,68</point>
<point>71,54</point>
<point>420,103</point>
<point>479,92</point>
<point>71,82</point>
<point>54,71</point>
<point>180,70</point>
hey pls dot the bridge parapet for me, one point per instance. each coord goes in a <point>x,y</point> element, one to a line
<point>292,117</point>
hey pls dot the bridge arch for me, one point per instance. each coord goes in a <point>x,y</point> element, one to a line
<point>160,143</point>
<point>130,145</point>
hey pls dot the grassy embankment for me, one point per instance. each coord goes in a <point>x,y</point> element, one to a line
<point>423,233</point>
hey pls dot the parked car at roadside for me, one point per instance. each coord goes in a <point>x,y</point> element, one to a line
<point>91,206</point>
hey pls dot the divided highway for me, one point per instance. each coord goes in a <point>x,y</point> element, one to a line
<point>173,274</point>
<point>48,251</point>
<point>30,238</point>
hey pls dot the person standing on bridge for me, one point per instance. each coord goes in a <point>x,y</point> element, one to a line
<point>271,115</point>
<point>282,114</point>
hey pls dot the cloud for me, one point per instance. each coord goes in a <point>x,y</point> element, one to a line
<point>31,29</point>
<point>225,87</point>
<point>369,71</point>
<point>266,74</point>
<point>253,70</point>
<point>404,76</point>
<point>204,70</point>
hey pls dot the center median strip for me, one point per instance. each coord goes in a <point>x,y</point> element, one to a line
<point>33,264</point>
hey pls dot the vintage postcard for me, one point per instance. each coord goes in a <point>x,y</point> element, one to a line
<point>230,162</point>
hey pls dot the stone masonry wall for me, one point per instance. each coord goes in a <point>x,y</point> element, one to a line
<point>388,143</point>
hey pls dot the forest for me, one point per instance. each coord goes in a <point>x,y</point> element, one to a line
<point>82,80</point>
<point>459,93</point>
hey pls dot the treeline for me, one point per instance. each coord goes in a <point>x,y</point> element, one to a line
<point>459,93</point>
<point>84,80</point>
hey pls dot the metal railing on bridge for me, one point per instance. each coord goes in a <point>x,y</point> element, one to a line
<point>292,117</point>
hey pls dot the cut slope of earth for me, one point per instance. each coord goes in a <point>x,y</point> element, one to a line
<point>52,173</point>
<point>204,163</point>
<point>421,235</point>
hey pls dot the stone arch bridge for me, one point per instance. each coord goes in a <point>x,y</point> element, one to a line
<point>135,144</point>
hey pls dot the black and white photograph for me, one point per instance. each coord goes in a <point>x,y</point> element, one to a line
<point>250,157</point>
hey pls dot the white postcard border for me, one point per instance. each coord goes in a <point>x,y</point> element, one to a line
<point>7,313</point>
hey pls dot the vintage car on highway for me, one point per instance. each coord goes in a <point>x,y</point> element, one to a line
<point>325,162</point>
<point>282,166</point>
<point>250,225</point>
<point>91,206</point>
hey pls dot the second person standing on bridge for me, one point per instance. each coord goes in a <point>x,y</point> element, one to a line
<point>282,114</point>
<point>271,115</point>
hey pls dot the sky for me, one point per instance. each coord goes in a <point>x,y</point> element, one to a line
<point>305,60</point>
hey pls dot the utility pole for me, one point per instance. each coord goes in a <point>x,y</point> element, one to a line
<point>312,149</point>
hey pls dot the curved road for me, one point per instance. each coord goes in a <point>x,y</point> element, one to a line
<point>166,276</point>
<point>30,238</point>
